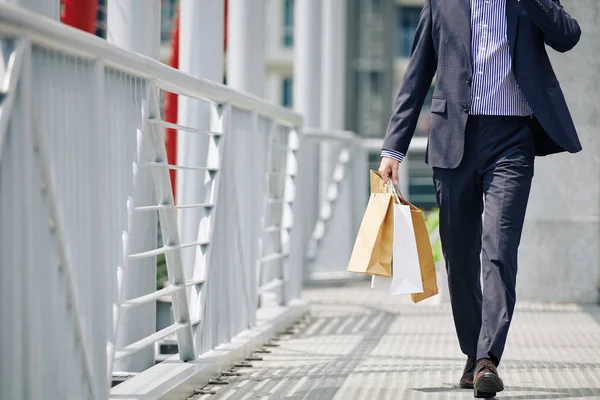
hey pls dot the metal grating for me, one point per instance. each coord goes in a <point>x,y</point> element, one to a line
<point>360,344</point>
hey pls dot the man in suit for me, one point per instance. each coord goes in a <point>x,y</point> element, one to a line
<point>497,104</point>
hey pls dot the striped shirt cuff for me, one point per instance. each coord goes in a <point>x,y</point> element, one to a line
<point>396,155</point>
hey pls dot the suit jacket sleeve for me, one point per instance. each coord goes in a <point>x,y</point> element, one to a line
<point>417,81</point>
<point>561,31</point>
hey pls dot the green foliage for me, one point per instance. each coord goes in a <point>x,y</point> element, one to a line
<point>432,221</point>
<point>161,272</point>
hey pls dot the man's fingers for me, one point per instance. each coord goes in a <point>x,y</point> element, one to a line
<point>395,174</point>
<point>385,172</point>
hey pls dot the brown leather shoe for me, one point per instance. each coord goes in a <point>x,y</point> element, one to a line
<point>466,382</point>
<point>487,382</point>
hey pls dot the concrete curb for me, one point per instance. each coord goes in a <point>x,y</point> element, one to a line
<point>173,379</point>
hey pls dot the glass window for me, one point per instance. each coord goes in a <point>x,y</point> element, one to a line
<point>101,19</point>
<point>407,19</point>
<point>167,19</point>
<point>288,23</point>
<point>287,87</point>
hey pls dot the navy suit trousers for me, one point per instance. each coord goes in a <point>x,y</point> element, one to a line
<point>493,180</point>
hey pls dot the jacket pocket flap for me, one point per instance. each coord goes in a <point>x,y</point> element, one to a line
<point>438,105</point>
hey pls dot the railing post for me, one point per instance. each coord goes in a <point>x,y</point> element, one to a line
<point>103,276</point>
<point>31,323</point>
<point>250,156</point>
<point>135,26</point>
<point>292,269</point>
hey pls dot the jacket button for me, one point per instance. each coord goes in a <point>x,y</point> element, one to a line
<point>466,108</point>
<point>469,80</point>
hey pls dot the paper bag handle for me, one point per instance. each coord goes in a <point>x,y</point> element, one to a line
<point>399,194</point>
<point>396,190</point>
<point>392,190</point>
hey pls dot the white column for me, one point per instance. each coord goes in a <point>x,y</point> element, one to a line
<point>307,94</point>
<point>339,239</point>
<point>246,46</point>
<point>48,8</point>
<point>332,81</point>
<point>201,54</point>
<point>135,26</point>
<point>246,72</point>
<point>559,259</point>
<point>307,60</point>
<point>333,63</point>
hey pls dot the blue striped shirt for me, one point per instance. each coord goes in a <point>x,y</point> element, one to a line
<point>494,89</point>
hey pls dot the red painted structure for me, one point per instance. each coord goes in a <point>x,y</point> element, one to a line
<point>80,14</point>
<point>171,105</point>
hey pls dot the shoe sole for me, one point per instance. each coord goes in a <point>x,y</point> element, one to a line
<point>484,395</point>
<point>488,386</point>
<point>467,386</point>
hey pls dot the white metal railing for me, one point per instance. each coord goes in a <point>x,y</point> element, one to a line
<point>86,208</point>
<point>342,206</point>
<point>80,135</point>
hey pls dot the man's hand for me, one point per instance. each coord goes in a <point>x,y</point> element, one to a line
<point>389,169</point>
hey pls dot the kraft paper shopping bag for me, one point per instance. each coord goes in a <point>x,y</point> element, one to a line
<point>372,252</point>
<point>426,263</point>
<point>406,272</point>
<point>428,274</point>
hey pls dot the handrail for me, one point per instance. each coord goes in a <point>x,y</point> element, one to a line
<point>15,21</point>
<point>324,134</point>
<point>417,144</point>
<point>372,144</point>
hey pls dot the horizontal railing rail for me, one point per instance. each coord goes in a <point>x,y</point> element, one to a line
<point>418,144</point>
<point>17,22</point>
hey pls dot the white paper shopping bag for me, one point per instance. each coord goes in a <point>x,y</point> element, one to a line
<point>406,271</point>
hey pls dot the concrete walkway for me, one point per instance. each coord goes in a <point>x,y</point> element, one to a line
<point>359,344</point>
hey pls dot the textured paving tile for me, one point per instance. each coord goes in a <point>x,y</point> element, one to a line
<point>359,344</point>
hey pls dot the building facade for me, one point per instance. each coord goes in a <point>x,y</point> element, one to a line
<point>280,44</point>
<point>370,87</point>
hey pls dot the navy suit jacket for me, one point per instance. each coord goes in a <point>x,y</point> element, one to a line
<point>443,45</point>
